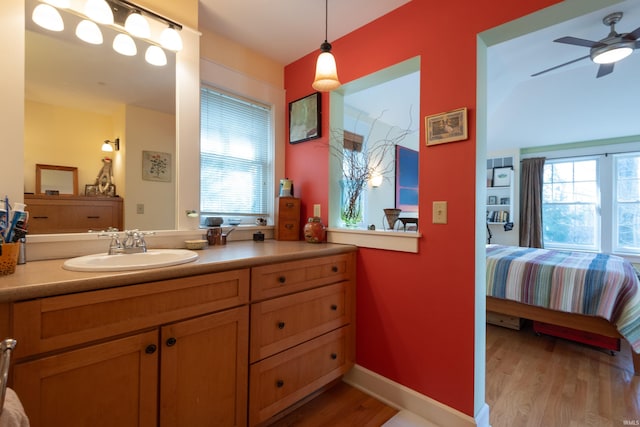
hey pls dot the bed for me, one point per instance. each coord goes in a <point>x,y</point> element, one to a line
<point>594,293</point>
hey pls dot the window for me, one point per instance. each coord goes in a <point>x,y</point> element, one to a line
<point>235,155</point>
<point>627,203</point>
<point>593,203</point>
<point>570,204</point>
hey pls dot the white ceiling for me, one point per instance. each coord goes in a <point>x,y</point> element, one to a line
<point>568,104</point>
<point>286,30</point>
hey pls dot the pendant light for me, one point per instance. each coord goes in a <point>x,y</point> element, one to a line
<point>326,71</point>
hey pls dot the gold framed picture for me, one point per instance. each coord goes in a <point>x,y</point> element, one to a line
<point>444,127</point>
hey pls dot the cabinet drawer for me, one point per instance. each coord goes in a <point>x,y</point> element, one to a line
<point>289,208</point>
<point>288,229</point>
<point>56,322</point>
<point>283,379</point>
<point>283,322</point>
<point>279,279</point>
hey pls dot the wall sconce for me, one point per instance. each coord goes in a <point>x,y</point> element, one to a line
<point>125,17</point>
<point>376,180</point>
<point>107,147</point>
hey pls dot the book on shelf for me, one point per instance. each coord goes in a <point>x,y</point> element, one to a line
<point>498,216</point>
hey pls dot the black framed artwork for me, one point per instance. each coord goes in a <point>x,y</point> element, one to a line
<point>304,119</point>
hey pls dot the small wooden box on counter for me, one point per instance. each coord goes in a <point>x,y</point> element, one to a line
<point>287,218</point>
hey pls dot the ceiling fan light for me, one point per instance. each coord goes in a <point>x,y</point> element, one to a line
<point>89,32</point>
<point>155,56</point>
<point>611,54</point>
<point>124,45</point>
<point>137,25</point>
<point>326,78</point>
<point>170,39</point>
<point>47,17</point>
<point>99,11</point>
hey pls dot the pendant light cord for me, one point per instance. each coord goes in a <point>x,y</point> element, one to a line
<point>326,19</point>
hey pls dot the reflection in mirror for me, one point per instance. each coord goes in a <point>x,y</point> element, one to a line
<point>77,95</point>
<point>385,107</point>
<point>55,180</point>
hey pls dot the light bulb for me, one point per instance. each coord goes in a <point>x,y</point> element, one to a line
<point>99,11</point>
<point>47,17</point>
<point>137,25</point>
<point>155,56</point>
<point>89,32</point>
<point>124,45</point>
<point>170,39</point>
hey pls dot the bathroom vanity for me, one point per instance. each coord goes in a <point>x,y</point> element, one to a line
<point>238,336</point>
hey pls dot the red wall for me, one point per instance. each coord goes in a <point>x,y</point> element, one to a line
<point>415,312</point>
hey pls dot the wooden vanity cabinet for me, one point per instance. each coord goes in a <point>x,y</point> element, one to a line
<point>72,214</point>
<point>302,331</point>
<point>165,353</point>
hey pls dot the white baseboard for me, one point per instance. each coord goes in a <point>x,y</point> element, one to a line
<point>403,398</point>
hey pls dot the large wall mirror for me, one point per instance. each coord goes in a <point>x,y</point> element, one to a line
<point>77,95</point>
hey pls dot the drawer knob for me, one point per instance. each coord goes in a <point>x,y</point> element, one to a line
<point>151,348</point>
<point>334,356</point>
<point>171,342</point>
<point>288,226</point>
<point>282,279</point>
<point>334,307</point>
<point>280,325</point>
<point>334,269</point>
<point>279,383</point>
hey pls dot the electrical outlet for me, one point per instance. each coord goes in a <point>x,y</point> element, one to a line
<point>439,212</point>
<point>140,208</point>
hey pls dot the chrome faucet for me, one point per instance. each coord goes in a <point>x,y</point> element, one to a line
<point>133,242</point>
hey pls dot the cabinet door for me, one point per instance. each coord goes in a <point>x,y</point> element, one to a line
<point>109,384</point>
<point>204,368</point>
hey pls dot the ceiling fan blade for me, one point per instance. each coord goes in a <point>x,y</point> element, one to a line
<point>633,35</point>
<point>578,42</point>
<point>558,66</point>
<point>605,69</point>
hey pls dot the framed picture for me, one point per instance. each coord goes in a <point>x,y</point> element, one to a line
<point>493,200</point>
<point>91,190</point>
<point>502,176</point>
<point>156,166</point>
<point>504,201</point>
<point>304,119</point>
<point>446,127</point>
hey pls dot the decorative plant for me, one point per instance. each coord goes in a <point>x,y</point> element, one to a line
<point>362,161</point>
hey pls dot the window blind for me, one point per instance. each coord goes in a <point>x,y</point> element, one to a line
<point>235,136</point>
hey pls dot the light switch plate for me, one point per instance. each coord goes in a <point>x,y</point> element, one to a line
<point>439,212</point>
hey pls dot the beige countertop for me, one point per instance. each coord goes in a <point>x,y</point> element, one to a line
<point>46,278</point>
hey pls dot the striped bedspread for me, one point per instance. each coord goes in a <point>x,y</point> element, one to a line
<point>576,282</point>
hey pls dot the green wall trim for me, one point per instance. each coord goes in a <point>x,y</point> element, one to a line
<point>581,144</point>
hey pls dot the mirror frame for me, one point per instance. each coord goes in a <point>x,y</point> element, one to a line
<point>72,178</point>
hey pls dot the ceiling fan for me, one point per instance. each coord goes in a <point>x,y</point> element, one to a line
<point>605,52</point>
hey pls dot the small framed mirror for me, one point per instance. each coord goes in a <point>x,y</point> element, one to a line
<point>56,180</point>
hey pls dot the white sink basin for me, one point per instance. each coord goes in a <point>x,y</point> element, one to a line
<point>153,258</point>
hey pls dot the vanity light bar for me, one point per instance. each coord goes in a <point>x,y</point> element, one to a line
<point>121,10</point>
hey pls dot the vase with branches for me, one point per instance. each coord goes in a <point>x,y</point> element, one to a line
<point>362,157</point>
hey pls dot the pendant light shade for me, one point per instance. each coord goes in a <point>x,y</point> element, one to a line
<point>99,11</point>
<point>89,32</point>
<point>137,25</point>
<point>124,45</point>
<point>47,17</point>
<point>155,56</point>
<point>326,71</point>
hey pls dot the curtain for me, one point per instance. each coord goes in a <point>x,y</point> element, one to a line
<point>531,202</point>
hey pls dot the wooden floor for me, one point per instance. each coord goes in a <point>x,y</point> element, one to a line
<point>340,406</point>
<point>544,381</point>
<point>531,381</point>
